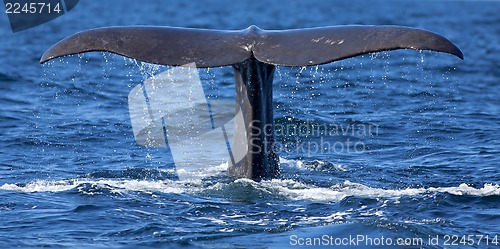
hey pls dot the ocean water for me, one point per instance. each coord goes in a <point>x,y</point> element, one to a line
<point>402,150</point>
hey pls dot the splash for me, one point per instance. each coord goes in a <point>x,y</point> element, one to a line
<point>285,189</point>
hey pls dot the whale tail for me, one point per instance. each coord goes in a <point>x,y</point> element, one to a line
<point>253,53</point>
<point>212,48</point>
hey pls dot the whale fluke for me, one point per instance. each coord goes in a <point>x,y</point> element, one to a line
<point>212,48</point>
<point>253,53</point>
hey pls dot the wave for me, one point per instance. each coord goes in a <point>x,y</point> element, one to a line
<point>286,189</point>
<point>210,181</point>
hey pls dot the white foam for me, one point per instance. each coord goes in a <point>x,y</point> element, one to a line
<point>464,189</point>
<point>166,186</point>
<point>290,189</point>
<point>281,188</point>
<point>315,165</point>
<point>42,186</point>
<point>334,217</point>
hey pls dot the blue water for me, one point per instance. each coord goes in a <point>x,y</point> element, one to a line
<point>72,175</point>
